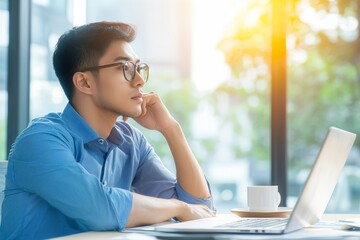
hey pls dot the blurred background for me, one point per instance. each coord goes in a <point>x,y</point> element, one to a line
<point>209,60</point>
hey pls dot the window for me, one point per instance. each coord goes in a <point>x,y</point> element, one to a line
<point>47,24</point>
<point>323,91</point>
<point>4,42</point>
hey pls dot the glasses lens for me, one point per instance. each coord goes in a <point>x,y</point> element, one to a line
<point>143,70</point>
<point>129,71</point>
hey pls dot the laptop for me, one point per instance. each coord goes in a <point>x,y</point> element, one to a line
<point>309,207</point>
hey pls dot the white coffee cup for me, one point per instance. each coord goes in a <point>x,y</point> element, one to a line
<point>263,198</point>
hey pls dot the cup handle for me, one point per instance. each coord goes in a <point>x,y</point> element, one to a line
<point>278,199</point>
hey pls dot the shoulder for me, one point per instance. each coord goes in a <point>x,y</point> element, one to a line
<point>51,124</point>
<point>133,138</point>
<point>44,132</point>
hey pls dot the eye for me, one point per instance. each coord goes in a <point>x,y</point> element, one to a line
<point>126,66</point>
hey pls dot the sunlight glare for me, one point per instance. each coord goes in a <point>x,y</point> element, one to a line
<point>78,15</point>
<point>208,63</point>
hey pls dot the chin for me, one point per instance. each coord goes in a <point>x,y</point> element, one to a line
<point>133,115</point>
<point>137,115</point>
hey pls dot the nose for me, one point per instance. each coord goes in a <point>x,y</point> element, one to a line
<point>138,81</point>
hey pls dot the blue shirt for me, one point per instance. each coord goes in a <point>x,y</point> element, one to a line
<point>63,178</point>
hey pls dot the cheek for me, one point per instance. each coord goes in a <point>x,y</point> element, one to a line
<point>112,94</point>
<point>113,86</point>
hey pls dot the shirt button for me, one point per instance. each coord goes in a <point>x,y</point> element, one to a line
<point>104,183</point>
<point>101,141</point>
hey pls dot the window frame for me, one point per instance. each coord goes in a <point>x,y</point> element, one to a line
<point>18,77</point>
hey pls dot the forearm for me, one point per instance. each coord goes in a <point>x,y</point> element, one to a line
<point>188,171</point>
<point>149,210</point>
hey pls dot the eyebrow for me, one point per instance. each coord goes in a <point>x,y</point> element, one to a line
<point>119,58</point>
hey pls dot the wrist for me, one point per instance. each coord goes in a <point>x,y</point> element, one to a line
<point>171,129</point>
<point>183,210</point>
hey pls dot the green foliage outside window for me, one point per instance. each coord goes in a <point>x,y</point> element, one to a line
<point>323,88</point>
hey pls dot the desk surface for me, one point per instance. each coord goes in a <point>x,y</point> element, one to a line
<point>313,232</point>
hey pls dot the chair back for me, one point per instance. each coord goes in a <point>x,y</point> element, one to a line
<point>3,169</point>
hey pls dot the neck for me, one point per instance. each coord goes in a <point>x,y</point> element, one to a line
<point>100,120</point>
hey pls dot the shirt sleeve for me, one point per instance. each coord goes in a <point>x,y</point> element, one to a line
<point>154,179</point>
<point>49,170</point>
<point>186,197</point>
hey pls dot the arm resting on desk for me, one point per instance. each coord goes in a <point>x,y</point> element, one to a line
<point>148,210</point>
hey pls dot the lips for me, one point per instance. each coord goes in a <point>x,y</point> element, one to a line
<point>137,96</point>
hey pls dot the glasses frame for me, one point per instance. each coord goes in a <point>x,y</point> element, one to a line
<point>137,67</point>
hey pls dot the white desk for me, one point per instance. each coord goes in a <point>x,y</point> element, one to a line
<point>313,232</point>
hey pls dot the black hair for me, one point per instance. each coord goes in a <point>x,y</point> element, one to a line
<point>83,46</point>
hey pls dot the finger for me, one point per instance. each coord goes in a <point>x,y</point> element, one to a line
<point>143,108</point>
<point>148,94</point>
<point>148,100</point>
<point>209,211</point>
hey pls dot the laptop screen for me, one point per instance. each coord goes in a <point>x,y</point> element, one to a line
<point>322,179</point>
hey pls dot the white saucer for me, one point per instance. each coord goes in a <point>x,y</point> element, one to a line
<point>280,212</point>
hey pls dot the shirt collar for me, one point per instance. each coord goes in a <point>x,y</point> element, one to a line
<point>78,125</point>
<point>115,135</point>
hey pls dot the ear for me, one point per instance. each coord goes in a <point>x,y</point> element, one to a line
<point>82,82</point>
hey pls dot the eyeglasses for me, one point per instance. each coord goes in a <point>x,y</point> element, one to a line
<point>129,69</point>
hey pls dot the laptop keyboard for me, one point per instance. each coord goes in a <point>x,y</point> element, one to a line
<point>257,223</point>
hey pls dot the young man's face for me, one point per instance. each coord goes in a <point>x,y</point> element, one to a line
<point>113,92</point>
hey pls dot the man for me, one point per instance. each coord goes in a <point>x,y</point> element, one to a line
<point>82,170</point>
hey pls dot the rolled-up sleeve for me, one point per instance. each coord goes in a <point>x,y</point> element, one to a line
<point>186,197</point>
<point>53,174</point>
